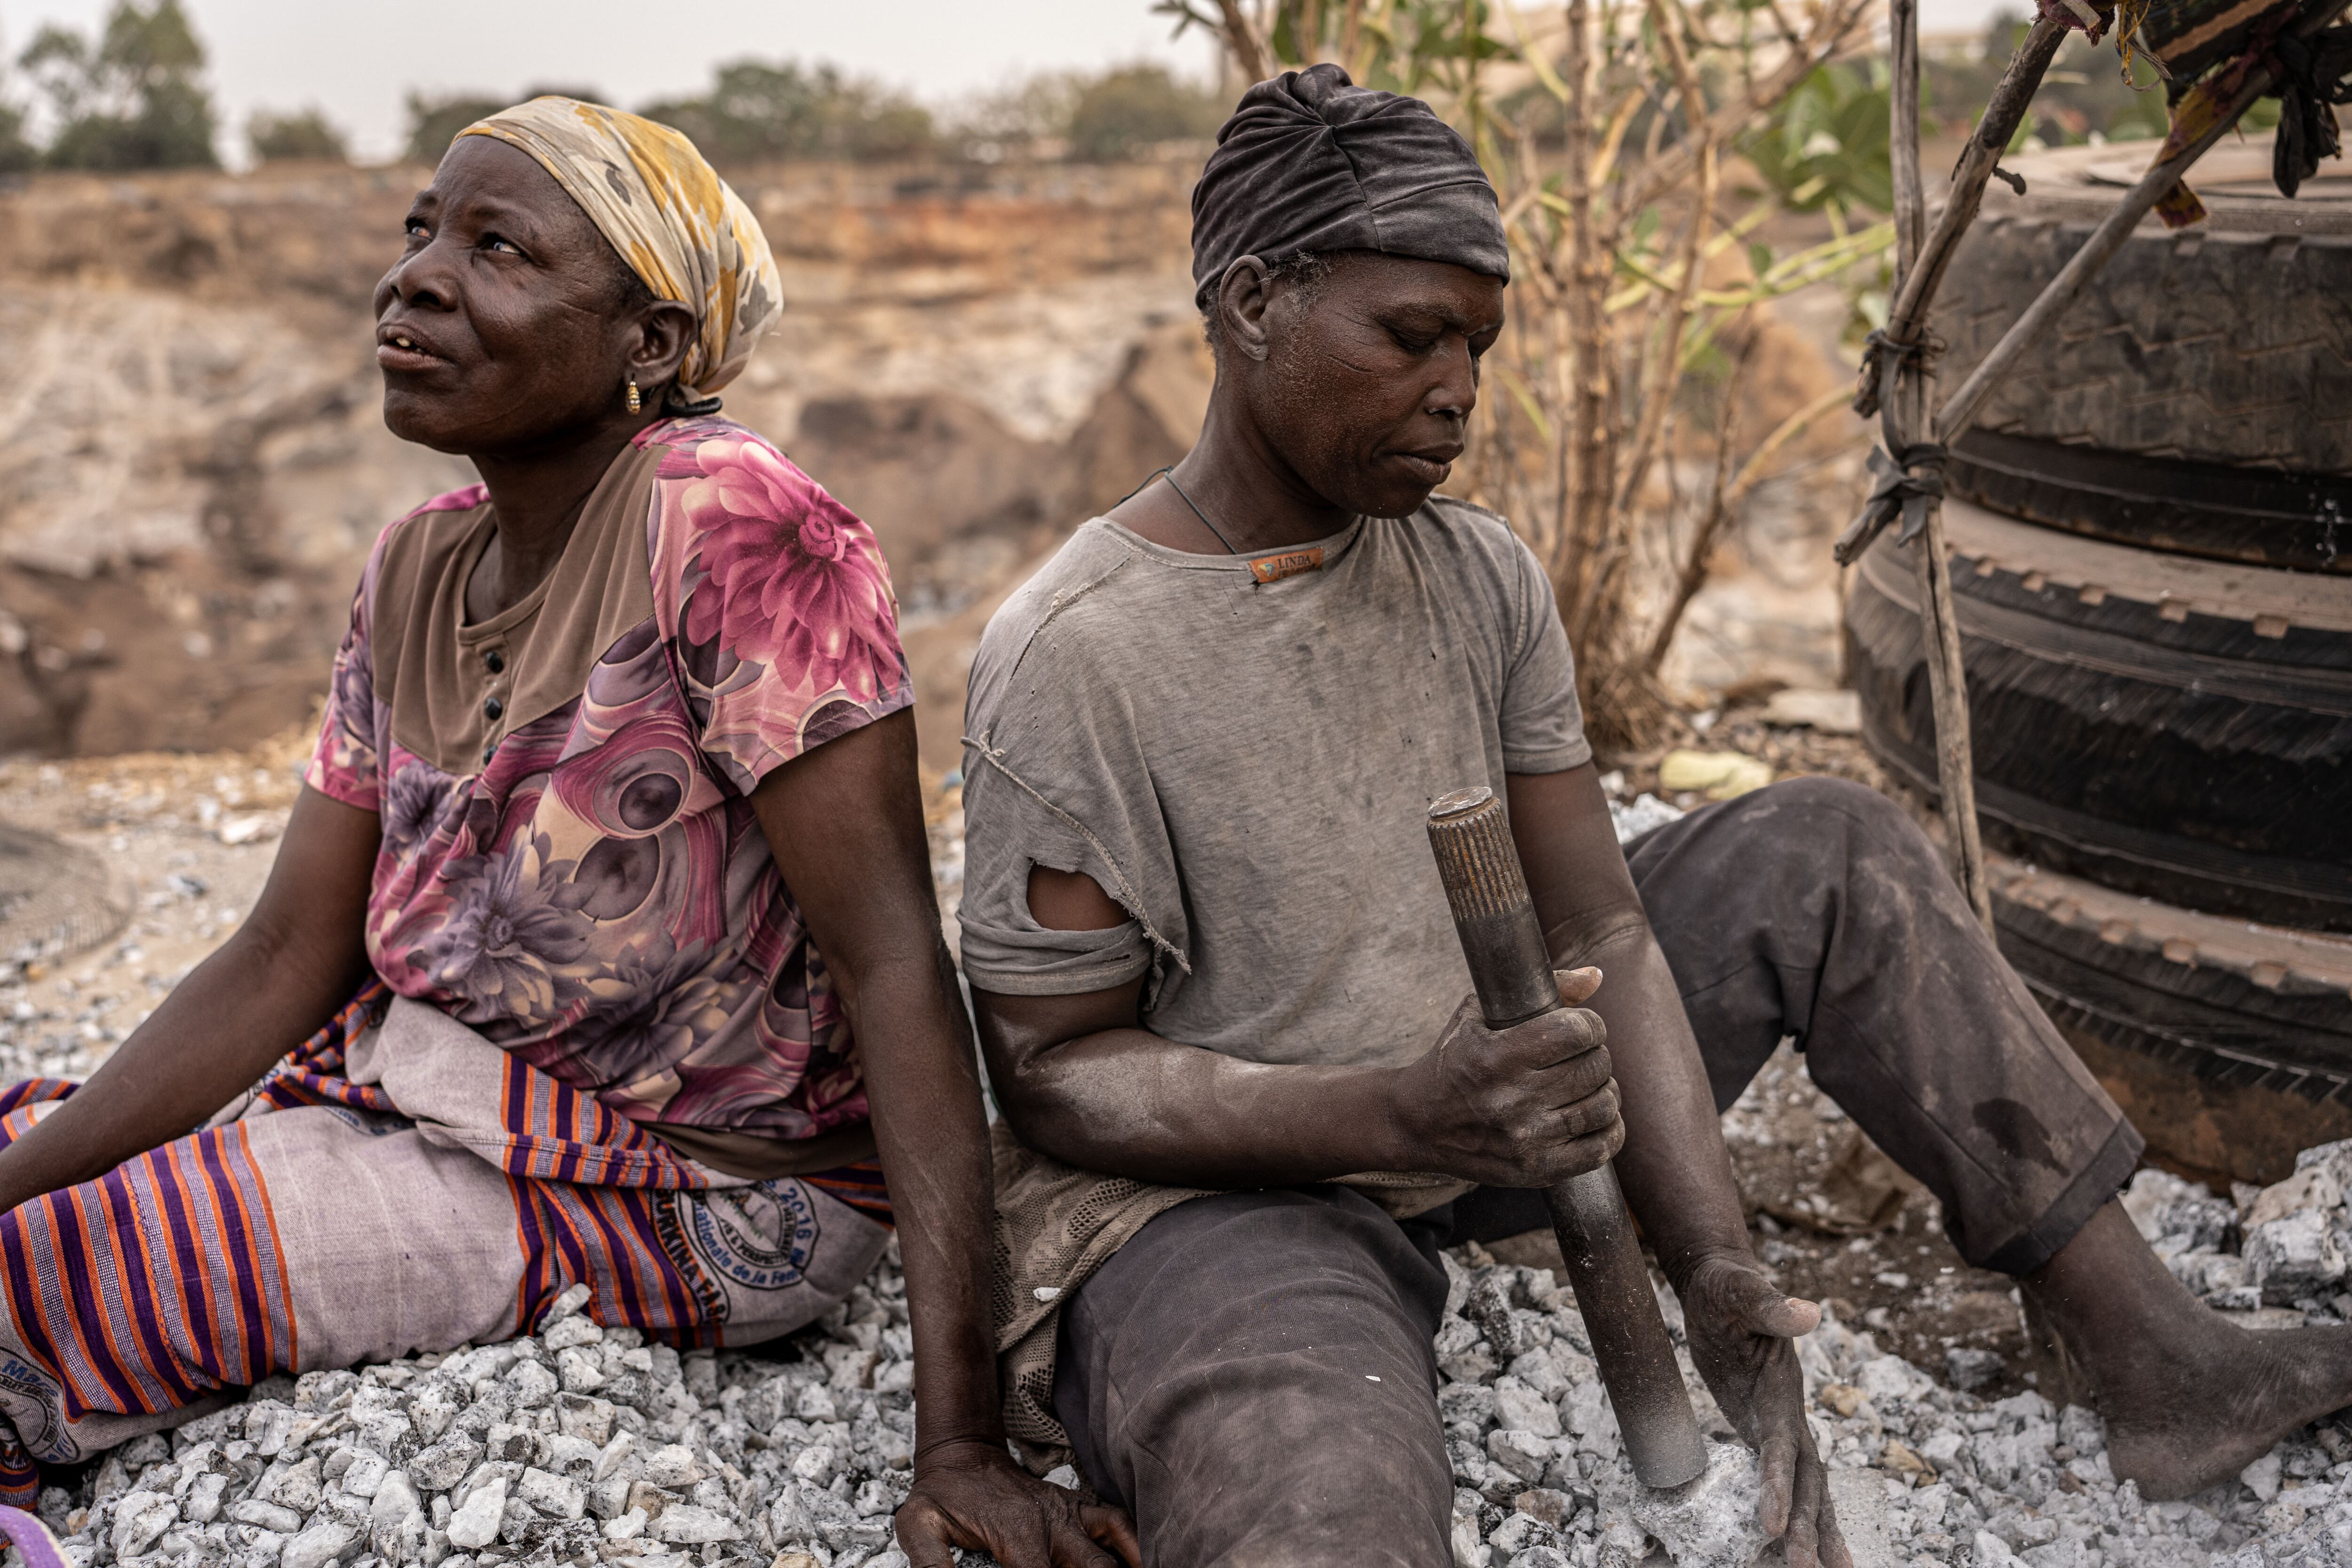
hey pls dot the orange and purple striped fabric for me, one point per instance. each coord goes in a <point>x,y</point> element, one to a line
<point>166,1280</point>
<point>127,1315</point>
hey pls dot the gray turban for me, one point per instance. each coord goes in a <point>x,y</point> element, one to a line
<point>1311,162</point>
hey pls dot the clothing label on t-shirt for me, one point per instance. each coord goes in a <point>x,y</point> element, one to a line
<point>1287,564</point>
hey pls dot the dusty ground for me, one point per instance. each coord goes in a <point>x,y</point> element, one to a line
<point>1838,1224</point>
<point>180,844</point>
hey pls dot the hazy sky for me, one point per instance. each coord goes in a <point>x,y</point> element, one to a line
<point>357,59</point>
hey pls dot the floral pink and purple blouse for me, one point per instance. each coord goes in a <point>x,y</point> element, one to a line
<point>570,863</point>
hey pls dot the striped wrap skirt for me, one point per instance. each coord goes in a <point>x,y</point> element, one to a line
<point>398,1185</point>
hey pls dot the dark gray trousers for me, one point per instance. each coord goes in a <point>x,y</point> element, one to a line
<point>1252,1376</point>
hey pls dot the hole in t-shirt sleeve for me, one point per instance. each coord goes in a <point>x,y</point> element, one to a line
<point>1070,900</point>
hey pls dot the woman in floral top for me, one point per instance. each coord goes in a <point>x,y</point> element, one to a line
<point>608,886</point>
<point>579,877</point>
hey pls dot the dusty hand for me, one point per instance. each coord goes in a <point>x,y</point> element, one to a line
<point>975,1497</point>
<point>1522,1107</point>
<point>1741,1328</point>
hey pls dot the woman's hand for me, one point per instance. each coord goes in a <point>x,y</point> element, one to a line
<point>973,1496</point>
<point>1741,1328</point>
<point>1523,1107</point>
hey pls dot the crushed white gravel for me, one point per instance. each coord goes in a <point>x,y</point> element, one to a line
<point>588,1446</point>
<point>585,1444</point>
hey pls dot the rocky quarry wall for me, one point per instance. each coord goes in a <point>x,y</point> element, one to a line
<point>193,463</point>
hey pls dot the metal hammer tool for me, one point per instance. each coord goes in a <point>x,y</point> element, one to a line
<point>1510,966</point>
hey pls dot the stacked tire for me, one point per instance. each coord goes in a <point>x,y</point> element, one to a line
<point>2152,538</point>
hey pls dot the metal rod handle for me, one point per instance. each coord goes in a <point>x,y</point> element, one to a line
<point>1510,968</point>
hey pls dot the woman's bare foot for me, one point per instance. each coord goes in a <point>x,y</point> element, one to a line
<point>2188,1398</point>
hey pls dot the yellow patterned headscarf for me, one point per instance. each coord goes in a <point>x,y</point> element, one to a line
<point>669,215</point>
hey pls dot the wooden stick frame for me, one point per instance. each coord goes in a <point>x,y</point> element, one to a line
<point>1894,376</point>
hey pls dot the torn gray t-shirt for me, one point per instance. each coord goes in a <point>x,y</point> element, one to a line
<point>1246,766</point>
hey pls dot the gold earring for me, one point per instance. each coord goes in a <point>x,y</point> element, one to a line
<point>635,401</point>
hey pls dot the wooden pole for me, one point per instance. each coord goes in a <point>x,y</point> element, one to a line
<point>1948,687</point>
<point>1907,316</point>
<point>1904,418</point>
<point>1903,129</point>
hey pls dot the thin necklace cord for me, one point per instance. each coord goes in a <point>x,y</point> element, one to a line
<point>1203,516</point>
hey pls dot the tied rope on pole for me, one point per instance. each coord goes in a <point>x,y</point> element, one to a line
<point>1884,355</point>
<point>1906,316</point>
<point>1905,487</point>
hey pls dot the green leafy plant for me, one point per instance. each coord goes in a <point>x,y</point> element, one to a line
<point>1826,150</point>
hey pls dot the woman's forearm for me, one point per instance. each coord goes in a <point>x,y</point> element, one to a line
<point>924,1094</point>
<point>1131,1104</point>
<point>863,885</point>
<point>216,1032</point>
<point>1676,1173</point>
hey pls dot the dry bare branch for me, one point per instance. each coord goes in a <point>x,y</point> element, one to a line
<point>1655,394</point>
<point>1719,507</point>
<point>1751,472</point>
<point>1242,41</point>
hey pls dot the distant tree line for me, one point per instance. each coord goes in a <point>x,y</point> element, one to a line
<point>132,97</point>
<point>135,97</point>
<point>757,112</point>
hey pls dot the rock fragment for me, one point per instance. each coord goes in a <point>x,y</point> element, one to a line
<point>1709,1523</point>
<point>688,1525</point>
<point>260,1515</point>
<point>551,1495</point>
<point>1523,1454</point>
<point>1970,1368</point>
<point>476,1521</point>
<point>442,1465</point>
<point>318,1546</point>
<point>2294,1256</point>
